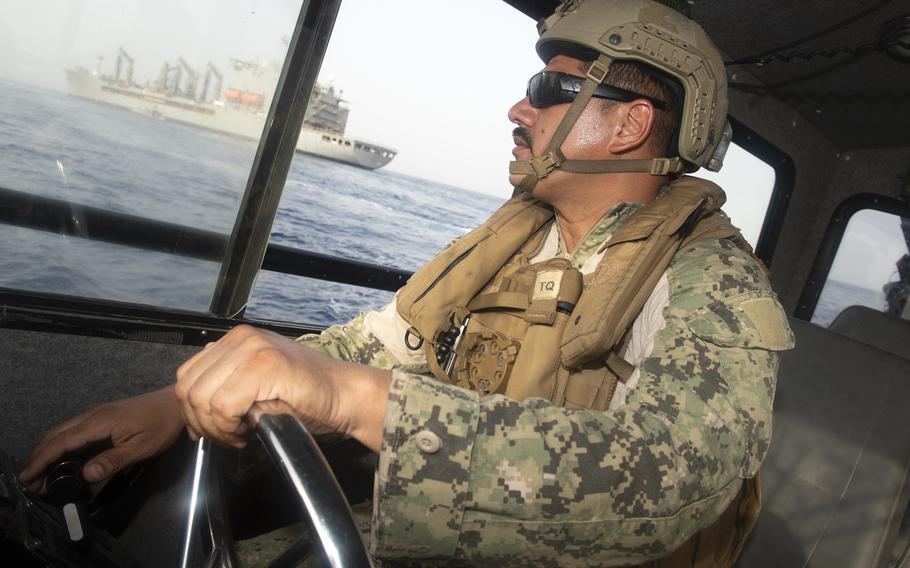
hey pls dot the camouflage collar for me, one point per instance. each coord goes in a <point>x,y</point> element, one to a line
<point>599,233</point>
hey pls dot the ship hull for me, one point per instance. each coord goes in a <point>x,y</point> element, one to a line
<point>341,149</point>
<point>225,119</point>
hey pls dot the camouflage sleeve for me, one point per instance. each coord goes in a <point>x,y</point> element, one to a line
<point>351,341</point>
<point>376,338</point>
<point>489,479</point>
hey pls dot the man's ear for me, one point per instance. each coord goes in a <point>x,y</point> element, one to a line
<point>636,121</point>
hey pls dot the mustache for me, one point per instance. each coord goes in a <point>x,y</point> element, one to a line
<point>524,135</point>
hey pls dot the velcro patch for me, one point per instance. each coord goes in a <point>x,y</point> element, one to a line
<point>546,286</point>
<point>769,322</point>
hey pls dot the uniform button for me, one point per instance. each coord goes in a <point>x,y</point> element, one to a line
<point>428,442</point>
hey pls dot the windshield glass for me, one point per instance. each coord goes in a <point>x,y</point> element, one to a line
<point>152,110</point>
<point>436,106</point>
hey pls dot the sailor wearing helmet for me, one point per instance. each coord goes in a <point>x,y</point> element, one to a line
<point>585,379</point>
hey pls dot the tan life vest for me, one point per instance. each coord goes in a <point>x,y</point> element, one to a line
<point>486,274</point>
<point>558,333</point>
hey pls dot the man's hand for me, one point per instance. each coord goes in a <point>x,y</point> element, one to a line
<point>219,386</point>
<point>138,427</point>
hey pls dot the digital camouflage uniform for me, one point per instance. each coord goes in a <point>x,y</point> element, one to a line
<point>494,480</point>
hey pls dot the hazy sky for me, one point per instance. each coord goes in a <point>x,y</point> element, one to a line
<point>38,39</point>
<point>446,84</point>
<point>433,79</point>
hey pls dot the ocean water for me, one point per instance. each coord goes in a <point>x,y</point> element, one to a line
<point>836,296</point>
<point>90,154</point>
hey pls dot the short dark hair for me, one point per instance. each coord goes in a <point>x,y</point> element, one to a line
<point>637,78</point>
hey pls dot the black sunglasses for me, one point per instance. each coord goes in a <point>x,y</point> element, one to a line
<point>549,88</point>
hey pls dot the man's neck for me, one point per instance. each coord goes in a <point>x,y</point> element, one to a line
<point>578,211</point>
<point>573,228</point>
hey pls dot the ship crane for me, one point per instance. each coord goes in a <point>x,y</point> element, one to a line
<point>121,55</point>
<point>175,74</point>
<point>192,78</point>
<point>170,79</point>
<point>161,83</point>
<point>211,71</point>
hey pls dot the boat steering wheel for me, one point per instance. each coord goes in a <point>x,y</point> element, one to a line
<point>309,477</point>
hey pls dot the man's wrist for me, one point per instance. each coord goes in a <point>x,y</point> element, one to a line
<point>363,397</point>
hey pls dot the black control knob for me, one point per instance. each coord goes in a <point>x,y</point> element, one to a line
<point>64,482</point>
<point>66,489</point>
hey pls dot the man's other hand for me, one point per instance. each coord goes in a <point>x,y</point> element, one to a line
<point>220,385</point>
<point>138,428</point>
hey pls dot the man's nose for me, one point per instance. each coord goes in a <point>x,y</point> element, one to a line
<point>522,113</point>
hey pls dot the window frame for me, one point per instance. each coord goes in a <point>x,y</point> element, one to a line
<point>784,182</point>
<point>834,234</point>
<point>250,237</point>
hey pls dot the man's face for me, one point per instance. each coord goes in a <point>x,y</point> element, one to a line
<point>535,126</point>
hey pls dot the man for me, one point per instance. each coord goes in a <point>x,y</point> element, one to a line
<point>586,379</point>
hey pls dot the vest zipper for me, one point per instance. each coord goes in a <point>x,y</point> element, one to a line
<point>443,274</point>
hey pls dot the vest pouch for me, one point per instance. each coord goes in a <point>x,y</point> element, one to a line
<point>556,288</point>
<point>493,337</point>
<point>487,359</point>
<point>535,369</point>
<point>511,345</point>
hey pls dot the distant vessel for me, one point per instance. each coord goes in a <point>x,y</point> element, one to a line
<point>238,110</point>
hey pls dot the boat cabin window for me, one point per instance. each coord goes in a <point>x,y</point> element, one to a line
<point>125,158</point>
<point>129,131</point>
<point>871,267</point>
<point>748,182</point>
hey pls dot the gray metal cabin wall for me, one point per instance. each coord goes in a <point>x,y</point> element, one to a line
<point>47,378</point>
<point>881,170</point>
<point>815,159</point>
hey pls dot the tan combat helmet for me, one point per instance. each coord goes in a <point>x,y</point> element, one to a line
<point>659,37</point>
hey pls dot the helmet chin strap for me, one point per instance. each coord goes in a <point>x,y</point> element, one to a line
<point>541,166</point>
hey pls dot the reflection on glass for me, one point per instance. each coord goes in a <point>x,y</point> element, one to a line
<point>147,110</point>
<point>872,268</point>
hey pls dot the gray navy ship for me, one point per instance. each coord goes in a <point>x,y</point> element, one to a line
<point>182,94</point>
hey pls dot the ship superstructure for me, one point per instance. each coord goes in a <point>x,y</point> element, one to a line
<point>237,106</point>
